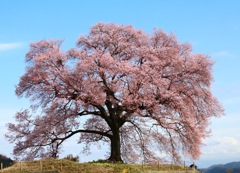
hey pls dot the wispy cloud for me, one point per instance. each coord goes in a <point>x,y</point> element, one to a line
<point>232,101</point>
<point>219,150</point>
<point>227,146</point>
<point>225,141</point>
<point>10,46</point>
<point>222,54</point>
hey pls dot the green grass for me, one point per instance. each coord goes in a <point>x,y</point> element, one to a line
<point>67,166</point>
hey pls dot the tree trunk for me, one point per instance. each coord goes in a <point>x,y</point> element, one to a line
<point>115,147</point>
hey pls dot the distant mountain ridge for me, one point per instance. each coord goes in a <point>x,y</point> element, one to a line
<point>232,167</point>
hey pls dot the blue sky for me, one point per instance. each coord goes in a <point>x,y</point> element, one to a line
<point>212,27</point>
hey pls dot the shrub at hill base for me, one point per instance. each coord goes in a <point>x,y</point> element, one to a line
<point>5,161</point>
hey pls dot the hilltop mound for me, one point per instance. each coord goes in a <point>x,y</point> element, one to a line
<point>66,166</point>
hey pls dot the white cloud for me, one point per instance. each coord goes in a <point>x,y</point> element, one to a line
<point>233,141</point>
<point>224,143</point>
<point>225,147</point>
<point>220,149</point>
<point>10,46</point>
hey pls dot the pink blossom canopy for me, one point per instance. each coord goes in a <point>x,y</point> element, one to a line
<point>147,96</point>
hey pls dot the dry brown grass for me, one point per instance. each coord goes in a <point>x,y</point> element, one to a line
<point>66,166</point>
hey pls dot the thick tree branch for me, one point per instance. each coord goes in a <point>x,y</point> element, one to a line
<point>106,134</point>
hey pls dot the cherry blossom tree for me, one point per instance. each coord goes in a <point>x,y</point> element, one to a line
<point>145,95</point>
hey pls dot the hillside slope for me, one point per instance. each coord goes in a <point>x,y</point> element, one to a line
<point>66,166</point>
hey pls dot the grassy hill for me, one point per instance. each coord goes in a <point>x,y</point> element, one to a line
<point>67,166</point>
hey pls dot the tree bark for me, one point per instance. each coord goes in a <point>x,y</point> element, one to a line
<point>115,147</point>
